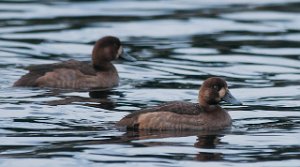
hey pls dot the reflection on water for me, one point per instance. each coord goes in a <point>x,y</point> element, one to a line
<point>254,45</point>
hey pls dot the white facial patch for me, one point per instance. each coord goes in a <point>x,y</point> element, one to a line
<point>222,92</point>
<point>120,51</point>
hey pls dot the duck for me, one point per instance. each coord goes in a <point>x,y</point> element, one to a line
<point>73,74</point>
<point>206,115</point>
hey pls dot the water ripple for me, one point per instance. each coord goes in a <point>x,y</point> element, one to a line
<point>254,45</point>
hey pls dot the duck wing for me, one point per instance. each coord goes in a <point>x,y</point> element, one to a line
<point>83,66</point>
<point>161,117</point>
<point>37,71</point>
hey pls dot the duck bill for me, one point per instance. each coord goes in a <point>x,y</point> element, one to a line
<point>231,99</point>
<point>126,56</point>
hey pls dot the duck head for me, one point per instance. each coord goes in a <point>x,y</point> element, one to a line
<point>107,49</point>
<point>214,90</point>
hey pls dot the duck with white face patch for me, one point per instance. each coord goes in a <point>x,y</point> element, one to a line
<point>179,115</point>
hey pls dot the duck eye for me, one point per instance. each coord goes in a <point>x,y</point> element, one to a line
<point>215,87</point>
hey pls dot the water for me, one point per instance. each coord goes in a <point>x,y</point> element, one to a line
<point>254,45</point>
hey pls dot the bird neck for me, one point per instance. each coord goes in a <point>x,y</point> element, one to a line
<point>103,66</point>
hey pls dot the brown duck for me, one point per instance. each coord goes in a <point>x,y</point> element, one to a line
<point>179,115</point>
<point>73,74</point>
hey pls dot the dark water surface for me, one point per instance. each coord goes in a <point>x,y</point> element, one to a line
<point>254,45</point>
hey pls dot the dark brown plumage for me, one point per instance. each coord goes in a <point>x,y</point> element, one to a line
<point>72,74</point>
<point>207,115</point>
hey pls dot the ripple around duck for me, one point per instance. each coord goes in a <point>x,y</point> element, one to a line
<point>253,45</point>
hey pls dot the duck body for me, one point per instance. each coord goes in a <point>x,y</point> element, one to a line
<point>179,115</point>
<point>72,74</point>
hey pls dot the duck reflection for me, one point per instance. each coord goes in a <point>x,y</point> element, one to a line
<point>209,142</point>
<point>206,140</point>
<point>98,99</point>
